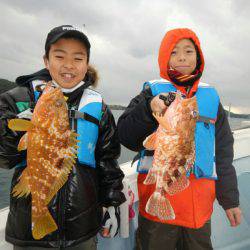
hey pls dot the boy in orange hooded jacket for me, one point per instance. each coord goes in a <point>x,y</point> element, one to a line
<point>181,65</point>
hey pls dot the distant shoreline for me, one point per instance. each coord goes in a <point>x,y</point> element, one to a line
<point>116,107</point>
<point>6,85</point>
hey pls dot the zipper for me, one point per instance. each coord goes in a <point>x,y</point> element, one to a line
<point>61,217</point>
<point>61,204</point>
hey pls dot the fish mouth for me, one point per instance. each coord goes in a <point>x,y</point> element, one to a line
<point>51,91</point>
<point>49,88</point>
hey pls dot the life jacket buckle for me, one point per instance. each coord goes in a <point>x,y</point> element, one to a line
<point>75,114</point>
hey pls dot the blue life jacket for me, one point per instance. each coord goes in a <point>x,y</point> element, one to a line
<point>88,117</point>
<point>208,103</point>
<point>90,105</point>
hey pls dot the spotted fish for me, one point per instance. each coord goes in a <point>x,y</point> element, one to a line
<point>51,152</point>
<point>174,154</point>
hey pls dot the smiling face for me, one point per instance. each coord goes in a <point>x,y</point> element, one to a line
<point>67,62</point>
<point>183,57</point>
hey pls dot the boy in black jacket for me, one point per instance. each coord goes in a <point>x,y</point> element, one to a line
<point>96,179</point>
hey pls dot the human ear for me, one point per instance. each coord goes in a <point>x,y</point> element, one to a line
<point>46,62</point>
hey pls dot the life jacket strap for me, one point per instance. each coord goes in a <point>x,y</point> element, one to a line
<point>75,114</point>
<point>145,153</point>
<point>206,119</point>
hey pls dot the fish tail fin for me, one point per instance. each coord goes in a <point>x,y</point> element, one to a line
<point>158,205</point>
<point>149,142</point>
<point>43,225</point>
<point>22,187</point>
<point>20,125</point>
<point>151,177</point>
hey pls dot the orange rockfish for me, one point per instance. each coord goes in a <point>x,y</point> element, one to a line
<point>51,152</point>
<point>174,154</point>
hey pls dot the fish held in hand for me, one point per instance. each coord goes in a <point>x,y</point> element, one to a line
<point>174,154</point>
<point>51,152</point>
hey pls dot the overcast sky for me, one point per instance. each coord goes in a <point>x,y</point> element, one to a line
<point>125,38</point>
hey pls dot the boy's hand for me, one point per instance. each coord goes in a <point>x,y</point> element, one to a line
<point>234,216</point>
<point>160,102</point>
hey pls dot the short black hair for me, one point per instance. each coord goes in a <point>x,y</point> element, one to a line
<point>66,32</point>
<point>68,36</point>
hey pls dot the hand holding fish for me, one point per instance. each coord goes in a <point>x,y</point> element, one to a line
<point>160,102</point>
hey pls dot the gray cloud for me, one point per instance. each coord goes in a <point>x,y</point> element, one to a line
<point>125,38</point>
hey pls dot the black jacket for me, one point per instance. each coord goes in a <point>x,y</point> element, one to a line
<point>137,122</point>
<point>77,207</point>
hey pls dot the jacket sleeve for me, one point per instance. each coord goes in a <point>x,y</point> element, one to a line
<point>9,156</point>
<point>226,186</point>
<point>107,152</point>
<point>137,121</point>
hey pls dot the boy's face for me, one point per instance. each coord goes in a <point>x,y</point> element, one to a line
<point>183,57</point>
<point>67,62</point>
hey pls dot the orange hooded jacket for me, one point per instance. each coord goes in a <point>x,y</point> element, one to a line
<point>194,205</point>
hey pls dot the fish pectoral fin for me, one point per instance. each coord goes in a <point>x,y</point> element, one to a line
<point>59,181</point>
<point>20,125</point>
<point>149,142</point>
<point>22,187</point>
<point>23,143</point>
<point>43,226</point>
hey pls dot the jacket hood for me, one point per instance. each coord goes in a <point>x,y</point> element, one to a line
<point>91,77</point>
<point>168,43</point>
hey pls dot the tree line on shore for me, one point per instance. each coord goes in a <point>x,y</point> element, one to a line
<point>6,85</point>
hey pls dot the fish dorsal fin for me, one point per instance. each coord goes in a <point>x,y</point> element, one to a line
<point>23,143</point>
<point>65,169</point>
<point>20,125</point>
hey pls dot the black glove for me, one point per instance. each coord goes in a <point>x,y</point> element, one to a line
<point>111,222</point>
<point>168,99</point>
